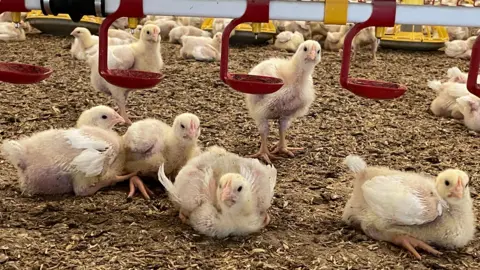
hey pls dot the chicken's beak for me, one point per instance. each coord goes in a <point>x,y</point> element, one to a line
<point>192,132</point>
<point>227,196</point>
<point>312,55</point>
<point>458,190</point>
<point>118,119</point>
<point>155,35</point>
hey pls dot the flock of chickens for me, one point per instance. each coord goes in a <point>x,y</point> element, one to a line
<point>220,193</point>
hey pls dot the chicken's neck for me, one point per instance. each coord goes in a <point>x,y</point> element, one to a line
<point>302,70</point>
<point>147,46</point>
<point>87,42</point>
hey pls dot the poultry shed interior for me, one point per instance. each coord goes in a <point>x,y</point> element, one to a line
<point>413,112</point>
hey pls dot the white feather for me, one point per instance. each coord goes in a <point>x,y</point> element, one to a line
<point>91,160</point>
<point>390,199</point>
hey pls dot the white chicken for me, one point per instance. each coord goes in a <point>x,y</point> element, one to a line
<point>291,101</point>
<point>366,37</point>
<point>469,106</point>
<point>219,24</point>
<point>445,104</point>
<point>192,45</point>
<point>454,74</point>
<point>121,23</point>
<point>458,33</point>
<point>220,193</point>
<point>100,116</point>
<point>8,32</point>
<point>320,30</point>
<point>85,44</point>
<point>289,41</point>
<point>80,160</point>
<point>165,26</point>
<point>142,55</point>
<point>151,142</point>
<point>460,48</point>
<point>175,36</point>
<point>408,209</point>
<point>299,26</point>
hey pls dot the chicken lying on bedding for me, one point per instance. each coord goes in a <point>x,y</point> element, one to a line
<point>291,101</point>
<point>8,32</point>
<point>445,103</point>
<point>410,210</point>
<point>151,142</point>
<point>201,48</point>
<point>460,48</point>
<point>86,44</point>
<point>142,55</point>
<point>176,34</point>
<point>80,160</point>
<point>454,74</point>
<point>469,106</point>
<point>288,41</point>
<point>220,193</point>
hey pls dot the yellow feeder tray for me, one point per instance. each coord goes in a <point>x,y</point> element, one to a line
<point>413,37</point>
<point>244,32</point>
<point>61,25</point>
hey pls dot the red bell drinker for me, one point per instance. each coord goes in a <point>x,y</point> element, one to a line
<point>256,11</point>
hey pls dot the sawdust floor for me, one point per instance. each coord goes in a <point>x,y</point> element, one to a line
<point>107,232</point>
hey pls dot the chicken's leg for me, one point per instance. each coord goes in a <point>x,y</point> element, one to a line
<point>136,182</point>
<point>281,146</point>
<point>120,97</point>
<point>264,152</point>
<point>411,243</point>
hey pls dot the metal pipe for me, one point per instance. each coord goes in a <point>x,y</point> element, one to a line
<point>300,11</point>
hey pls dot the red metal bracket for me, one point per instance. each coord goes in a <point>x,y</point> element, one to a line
<point>256,11</point>
<point>15,72</point>
<point>472,84</point>
<point>383,14</point>
<point>135,79</point>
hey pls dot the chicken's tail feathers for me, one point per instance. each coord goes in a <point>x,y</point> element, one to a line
<point>169,187</point>
<point>355,163</point>
<point>13,152</point>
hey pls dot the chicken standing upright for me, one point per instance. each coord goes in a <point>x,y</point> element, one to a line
<point>409,209</point>
<point>142,55</point>
<point>220,193</point>
<point>151,142</point>
<point>57,161</point>
<point>291,101</point>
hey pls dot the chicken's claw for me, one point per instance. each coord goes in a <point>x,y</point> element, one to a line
<point>410,243</point>
<point>266,155</point>
<point>119,178</point>
<point>285,150</point>
<point>136,182</point>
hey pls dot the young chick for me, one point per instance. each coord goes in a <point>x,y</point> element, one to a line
<point>288,41</point>
<point>165,26</point>
<point>85,44</point>
<point>8,32</point>
<point>151,142</point>
<point>460,48</point>
<point>236,204</point>
<point>191,44</point>
<point>291,101</point>
<point>142,55</point>
<point>458,33</point>
<point>408,209</point>
<point>445,104</point>
<point>299,26</point>
<point>454,74</point>
<point>81,160</point>
<point>469,106</point>
<point>100,116</point>
<point>176,34</point>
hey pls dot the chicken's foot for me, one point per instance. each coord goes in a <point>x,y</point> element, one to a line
<point>281,146</point>
<point>411,243</point>
<point>263,152</point>
<point>136,182</point>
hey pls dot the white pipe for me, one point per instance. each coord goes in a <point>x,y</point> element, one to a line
<point>300,11</point>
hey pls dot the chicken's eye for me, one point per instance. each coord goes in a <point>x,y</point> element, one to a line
<point>78,32</point>
<point>318,51</point>
<point>447,183</point>
<point>304,49</point>
<point>239,188</point>
<point>182,126</point>
<point>104,116</point>
<point>148,32</point>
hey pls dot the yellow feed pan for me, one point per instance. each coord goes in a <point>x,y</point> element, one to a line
<point>413,37</point>
<point>61,25</point>
<point>247,27</point>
